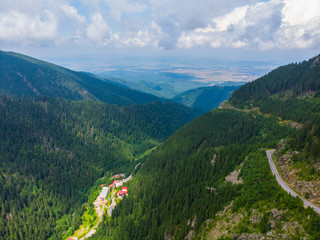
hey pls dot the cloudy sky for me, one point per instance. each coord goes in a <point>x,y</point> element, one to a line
<point>237,26</point>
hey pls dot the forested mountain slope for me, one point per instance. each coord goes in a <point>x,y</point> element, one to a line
<point>211,179</point>
<point>205,98</point>
<point>53,150</point>
<point>23,75</point>
<point>292,93</point>
<point>295,79</point>
<point>183,181</point>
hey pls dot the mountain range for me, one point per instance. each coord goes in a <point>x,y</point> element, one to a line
<point>211,179</point>
<point>23,75</point>
<point>205,98</point>
<point>64,133</point>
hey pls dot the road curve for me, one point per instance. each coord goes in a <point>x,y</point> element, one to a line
<point>282,183</point>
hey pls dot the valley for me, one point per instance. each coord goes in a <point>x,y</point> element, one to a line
<point>159,120</point>
<point>98,160</point>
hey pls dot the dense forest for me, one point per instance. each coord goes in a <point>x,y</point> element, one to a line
<point>183,181</point>
<point>293,80</point>
<point>291,93</point>
<point>53,150</point>
<point>22,75</point>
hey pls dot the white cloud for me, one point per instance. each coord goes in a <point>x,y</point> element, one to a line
<point>301,24</point>
<point>72,13</point>
<point>165,24</point>
<point>98,30</point>
<point>281,24</point>
<point>297,12</point>
<point>120,7</point>
<point>148,37</point>
<point>18,27</point>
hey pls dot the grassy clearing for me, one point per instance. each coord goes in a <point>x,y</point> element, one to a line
<point>89,220</point>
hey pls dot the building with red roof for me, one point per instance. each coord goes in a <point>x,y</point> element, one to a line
<point>121,193</point>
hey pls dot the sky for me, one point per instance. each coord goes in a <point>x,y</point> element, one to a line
<point>283,30</point>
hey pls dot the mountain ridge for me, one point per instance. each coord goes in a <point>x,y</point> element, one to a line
<point>24,75</point>
<point>205,98</point>
<point>183,191</point>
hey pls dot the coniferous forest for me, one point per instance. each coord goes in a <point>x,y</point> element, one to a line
<point>184,181</point>
<point>54,149</point>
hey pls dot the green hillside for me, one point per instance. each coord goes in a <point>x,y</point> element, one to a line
<point>292,94</point>
<point>53,150</point>
<point>293,80</point>
<point>205,98</point>
<point>211,179</point>
<point>23,75</point>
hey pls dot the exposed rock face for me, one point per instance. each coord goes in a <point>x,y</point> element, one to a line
<point>191,235</point>
<point>249,237</point>
<point>213,159</point>
<point>228,222</point>
<point>255,216</point>
<point>234,177</point>
<point>276,214</point>
<point>167,236</point>
<point>307,189</point>
<point>192,224</point>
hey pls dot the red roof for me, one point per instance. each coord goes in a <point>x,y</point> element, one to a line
<point>121,192</point>
<point>124,188</point>
<point>111,185</point>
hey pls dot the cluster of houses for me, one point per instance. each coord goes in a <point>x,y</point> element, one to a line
<point>123,191</point>
<point>106,190</point>
<point>121,175</point>
<point>116,183</point>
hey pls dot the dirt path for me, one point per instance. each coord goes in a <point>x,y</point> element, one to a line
<point>99,210</point>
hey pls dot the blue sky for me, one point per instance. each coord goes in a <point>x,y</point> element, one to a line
<point>286,30</point>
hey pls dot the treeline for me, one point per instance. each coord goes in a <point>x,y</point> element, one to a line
<point>23,75</point>
<point>53,150</point>
<point>290,92</point>
<point>296,79</point>
<point>184,179</point>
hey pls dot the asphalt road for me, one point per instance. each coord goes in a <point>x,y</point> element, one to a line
<point>282,183</point>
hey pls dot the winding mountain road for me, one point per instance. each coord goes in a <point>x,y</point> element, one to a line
<point>282,183</point>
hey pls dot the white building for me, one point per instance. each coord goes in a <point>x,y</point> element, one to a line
<point>104,193</point>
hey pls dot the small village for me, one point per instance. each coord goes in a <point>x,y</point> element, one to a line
<point>112,194</point>
<point>108,198</point>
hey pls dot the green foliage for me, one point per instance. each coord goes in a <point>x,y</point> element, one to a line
<point>22,75</point>
<point>53,150</point>
<point>261,187</point>
<point>178,182</point>
<point>291,80</point>
<point>292,93</point>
